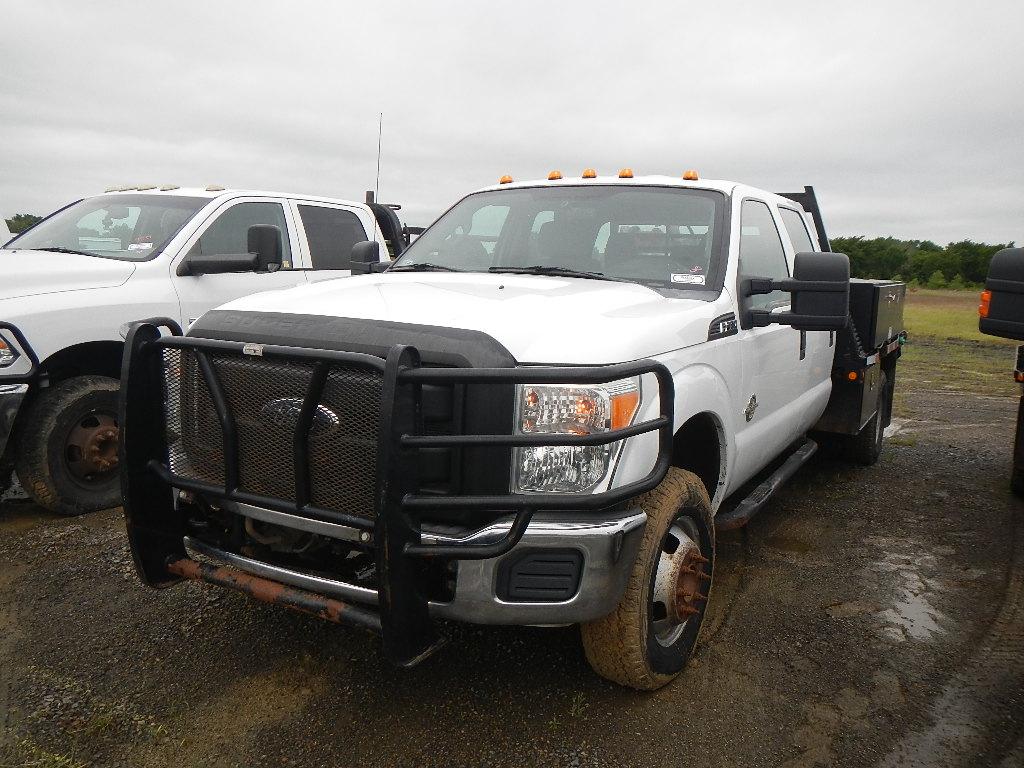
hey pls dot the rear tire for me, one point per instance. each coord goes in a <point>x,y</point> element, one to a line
<point>866,446</point>
<point>646,641</point>
<point>67,453</point>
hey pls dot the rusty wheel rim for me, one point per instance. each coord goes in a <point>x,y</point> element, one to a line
<point>680,582</point>
<point>90,449</point>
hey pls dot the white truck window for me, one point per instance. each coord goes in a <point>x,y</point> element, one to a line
<point>761,253</point>
<point>230,232</point>
<point>797,229</point>
<point>331,233</point>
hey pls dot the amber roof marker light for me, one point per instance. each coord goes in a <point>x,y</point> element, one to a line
<point>554,176</point>
<point>626,173</point>
<point>690,175</point>
<point>506,179</point>
<point>589,173</point>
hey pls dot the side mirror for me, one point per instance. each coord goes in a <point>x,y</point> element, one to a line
<point>264,240</point>
<point>820,288</point>
<point>365,258</point>
<point>216,263</point>
<point>1002,314</point>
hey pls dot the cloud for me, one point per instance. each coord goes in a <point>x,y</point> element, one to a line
<point>905,117</point>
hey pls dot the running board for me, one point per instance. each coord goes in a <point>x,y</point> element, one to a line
<point>740,515</point>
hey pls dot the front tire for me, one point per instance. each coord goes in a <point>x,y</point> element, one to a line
<point>67,454</point>
<point>646,641</point>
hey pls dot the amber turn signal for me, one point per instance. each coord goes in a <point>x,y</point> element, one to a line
<point>986,299</point>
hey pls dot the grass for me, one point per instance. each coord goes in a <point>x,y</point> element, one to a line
<point>946,315</point>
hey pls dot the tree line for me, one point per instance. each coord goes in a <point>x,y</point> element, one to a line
<point>19,222</point>
<point>919,262</point>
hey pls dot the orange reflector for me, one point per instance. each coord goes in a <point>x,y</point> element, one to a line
<point>506,179</point>
<point>623,408</point>
<point>3,344</point>
<point>852,375</point>
<point>554,176</point>
<point>589,173</point>
<point>690,176</point>
<point>986,299</point>
<point>1018,376</point>
<point>626,173</point>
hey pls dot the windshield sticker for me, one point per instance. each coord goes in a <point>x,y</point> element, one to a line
<point>139,246</point>
<point>687,278</point>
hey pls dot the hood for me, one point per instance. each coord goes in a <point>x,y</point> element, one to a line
<point>539,319</point>
<point>30,273</point>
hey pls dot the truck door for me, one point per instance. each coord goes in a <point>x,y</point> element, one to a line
<point>227,232</point>
<point>326,236</point>
<point>774,387</point>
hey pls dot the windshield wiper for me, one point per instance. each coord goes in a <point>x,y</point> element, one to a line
<point>539,269</point>
<point>61,249</point>
<point>422,267</point>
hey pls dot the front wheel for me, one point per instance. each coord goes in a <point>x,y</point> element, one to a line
<point>645,642</point>
<point>67,454</point>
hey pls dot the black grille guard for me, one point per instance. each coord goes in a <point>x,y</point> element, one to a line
<point>156,526</point>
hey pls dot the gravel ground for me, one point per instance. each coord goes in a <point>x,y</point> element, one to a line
<point>867,616</point>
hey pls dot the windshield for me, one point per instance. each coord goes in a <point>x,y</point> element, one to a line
<point>132,227</point>
<point>659,236</point>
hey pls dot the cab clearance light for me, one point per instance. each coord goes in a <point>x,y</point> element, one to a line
<point>690,175</point>
<point>986,299</point>
<point>589,173</point>
<point>626,173</point>
<point>554,176</point>
<point>506,179</point>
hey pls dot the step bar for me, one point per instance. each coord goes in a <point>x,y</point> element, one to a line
<point>740,515</point>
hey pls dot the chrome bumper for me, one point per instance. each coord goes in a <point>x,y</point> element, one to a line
<point>608,544</point>
<point>11,396</point>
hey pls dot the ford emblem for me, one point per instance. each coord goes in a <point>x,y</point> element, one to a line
<point>284,413</point>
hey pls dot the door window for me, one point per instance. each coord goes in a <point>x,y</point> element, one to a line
<point>761,253</point>
<point>230,232</point>
<point>797,229</point>
<point>331,233</point>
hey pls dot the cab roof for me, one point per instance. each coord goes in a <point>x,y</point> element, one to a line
<point>213,191</point>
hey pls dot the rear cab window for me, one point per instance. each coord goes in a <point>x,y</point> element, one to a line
<point>796,228</point>
<point>330,235</point>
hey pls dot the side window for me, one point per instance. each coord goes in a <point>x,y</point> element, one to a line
<point>331,233</point>
<point>761,253</point>
<point>230,232</point>
<point>797,229</point>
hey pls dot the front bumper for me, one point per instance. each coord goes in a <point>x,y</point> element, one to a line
<point>607,546</point>
<point>11,397</point>
<point>397,533</point>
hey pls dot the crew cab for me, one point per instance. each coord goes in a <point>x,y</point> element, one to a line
<point>537,415</point>
<point>73,283</point>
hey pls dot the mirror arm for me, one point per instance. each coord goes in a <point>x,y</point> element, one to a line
<point>754,286</point>
<point>761,318</point>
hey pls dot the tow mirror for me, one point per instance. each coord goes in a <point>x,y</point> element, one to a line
<point>365,258</point>
<point>217,263</point>
<point>264,240</point>
<point>1002,303</point>
<point>820,289</point>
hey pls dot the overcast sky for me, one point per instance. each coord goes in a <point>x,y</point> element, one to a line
<point>908,118</point>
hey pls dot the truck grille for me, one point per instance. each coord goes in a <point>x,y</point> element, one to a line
<point>265,397</point>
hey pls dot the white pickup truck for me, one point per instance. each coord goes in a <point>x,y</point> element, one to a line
<point>70,285</point>
<point>538,415</point>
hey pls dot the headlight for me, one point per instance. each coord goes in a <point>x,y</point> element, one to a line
<point>574,410</point>
<point>8,354</point>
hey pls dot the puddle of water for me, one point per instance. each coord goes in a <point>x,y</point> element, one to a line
<point>911,616</point>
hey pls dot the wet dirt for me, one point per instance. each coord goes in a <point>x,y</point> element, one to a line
<point>867,616</point>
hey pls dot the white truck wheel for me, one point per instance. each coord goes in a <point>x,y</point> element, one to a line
<point>67,454</point>
<point>645,642</point>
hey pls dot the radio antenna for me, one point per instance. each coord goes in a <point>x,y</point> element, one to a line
<point>380,130</point>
